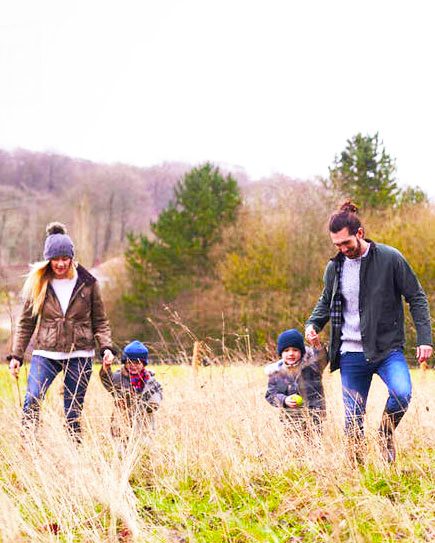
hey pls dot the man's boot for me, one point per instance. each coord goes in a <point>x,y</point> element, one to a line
<point>356,453</point>
<point>356,448</point>
<point>389,423</point>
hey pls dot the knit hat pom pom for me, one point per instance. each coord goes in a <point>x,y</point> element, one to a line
<point>55,228</point>
<point>57,243</point>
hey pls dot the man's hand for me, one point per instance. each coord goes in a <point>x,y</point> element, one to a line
<point>14,367</point>
<point>424,352</point>
<point>108,358</point>
<point>312,337</point>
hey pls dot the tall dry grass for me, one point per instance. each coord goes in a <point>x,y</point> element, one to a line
<point>220,447</point>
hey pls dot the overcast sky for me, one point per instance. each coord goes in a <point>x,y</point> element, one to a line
<point>269,86</point>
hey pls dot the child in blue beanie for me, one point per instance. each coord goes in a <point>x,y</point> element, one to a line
<point>136,392</point>
<point>295,381</point>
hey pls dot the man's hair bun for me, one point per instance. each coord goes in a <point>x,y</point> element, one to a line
<point>349,207</point>
<point>55,228</point>
<point>345,217</point>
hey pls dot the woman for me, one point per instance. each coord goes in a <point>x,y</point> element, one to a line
<point>63,308</point>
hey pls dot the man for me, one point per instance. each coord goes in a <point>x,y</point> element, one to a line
<point>362,295</point>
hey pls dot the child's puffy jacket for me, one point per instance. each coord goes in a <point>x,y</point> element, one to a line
<point>305,379</point>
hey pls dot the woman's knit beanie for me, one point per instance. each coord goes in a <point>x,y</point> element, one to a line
<point>291,338</point>
<point>57,243</point>
<point>135,351</point>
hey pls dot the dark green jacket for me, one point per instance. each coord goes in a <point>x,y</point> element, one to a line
<point>385,277</point>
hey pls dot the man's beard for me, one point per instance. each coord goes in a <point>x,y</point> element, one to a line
<point>356,253</point>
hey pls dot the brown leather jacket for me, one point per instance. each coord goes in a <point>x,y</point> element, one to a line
<point>84,322</point>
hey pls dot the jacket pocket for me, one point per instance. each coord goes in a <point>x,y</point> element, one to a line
<point>388,334</point>
<point>83,336</point>
<point>47,335</point>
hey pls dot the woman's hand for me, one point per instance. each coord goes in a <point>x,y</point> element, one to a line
<point>14,367</point>
<point>108,358</point>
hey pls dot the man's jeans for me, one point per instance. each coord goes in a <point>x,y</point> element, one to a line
<point>356,378</point>
<point>77,373</point>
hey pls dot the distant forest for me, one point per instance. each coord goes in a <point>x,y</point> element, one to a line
<point>264,273</point>
<point>99,203</point>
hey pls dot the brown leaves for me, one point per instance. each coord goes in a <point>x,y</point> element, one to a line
<point>319,515</point>
<point>124,534</point>
<point>290,504</point>
<point>51,527</point>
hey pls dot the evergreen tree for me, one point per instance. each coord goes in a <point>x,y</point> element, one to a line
<point>204,203</point>
<point>364,172</point>
<point>412,196</point>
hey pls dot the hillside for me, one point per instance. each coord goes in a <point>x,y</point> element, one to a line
<point>100,203</point>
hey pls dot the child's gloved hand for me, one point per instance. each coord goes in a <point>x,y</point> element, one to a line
<point>289,402</point>
<point>293,401</point>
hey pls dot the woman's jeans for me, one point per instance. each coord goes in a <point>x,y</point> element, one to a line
<point>77,373</point>
<point>356,378</point>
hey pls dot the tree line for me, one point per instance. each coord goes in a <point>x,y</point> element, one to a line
<point>207,253</point>
<point>100,203</point>
<point>251,261</point>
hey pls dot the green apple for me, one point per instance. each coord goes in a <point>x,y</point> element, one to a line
<point>298,399</point>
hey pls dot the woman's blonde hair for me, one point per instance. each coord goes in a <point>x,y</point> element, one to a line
<point>36,283</point>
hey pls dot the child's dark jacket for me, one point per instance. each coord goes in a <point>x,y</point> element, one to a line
<point>138,406</point>
<point>305,379</point>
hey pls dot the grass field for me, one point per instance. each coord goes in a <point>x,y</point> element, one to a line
<point>219,469</point>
